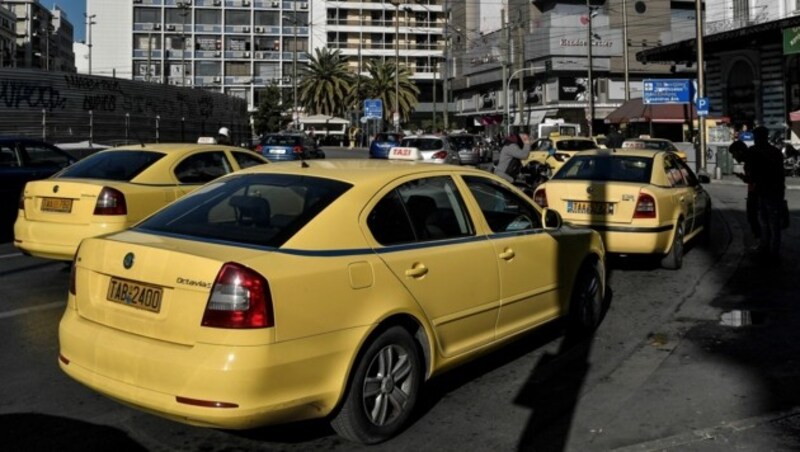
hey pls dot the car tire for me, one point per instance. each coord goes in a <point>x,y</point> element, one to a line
<point>383,389</point>
<point>707,221</point>
<point>587,303</point>
<point>673,260</point>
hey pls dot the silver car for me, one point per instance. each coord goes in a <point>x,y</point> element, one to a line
<point>469,148</point>
<point>433,148</point>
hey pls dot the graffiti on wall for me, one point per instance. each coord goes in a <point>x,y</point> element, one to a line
<point>18,94</point>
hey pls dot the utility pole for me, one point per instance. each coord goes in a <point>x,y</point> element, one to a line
<point>506,61</point>
<point>149,55</point>
<point>590,81</point>
<point>396,116</point>
<point>184,11</point>
<point>625,49</point>
<point>521,86</point>
<point>701,152</point>
<point>296,118</point>
<point>445,81</point>
<point>89,23</point>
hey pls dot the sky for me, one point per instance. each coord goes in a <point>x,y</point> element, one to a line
<point>74,10</point>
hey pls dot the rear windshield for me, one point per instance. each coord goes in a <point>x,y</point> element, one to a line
<point>253,209</point>
<point>113,165</point>
<point>281,140</point>
<point>606,168</point>
<point>641,144</point>
<point>465,141</point>
<point>575,145</point>
<point>393,137</point>
<point>424,144</point>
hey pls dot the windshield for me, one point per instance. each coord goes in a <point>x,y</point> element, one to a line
<point>575,145</point>
<point>113,165</point>
<point>606,168</point>
<point>255,209</point>
<point>394,138</point>
<point>646,144</point>
<point>424,144</point>
<point>463,141</point>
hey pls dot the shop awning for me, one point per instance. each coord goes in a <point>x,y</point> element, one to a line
<point>635,110</point>
<point>535,117</point>
<point>794,116</point>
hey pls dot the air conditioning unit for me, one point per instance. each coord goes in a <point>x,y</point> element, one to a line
<point>276,4</point>
<point>260,55</point>
<point>304,6</point>
<point>157,26</point>
<point>217,79</point>
<point>259,29</point>
<point>287,79</point>
<point>246,29</point>
<point>217,2</point>
<point>187,2</point>
<point>246,3</point>
<point>217,53</point>
<point>247,54</point>
<point>170,27</point>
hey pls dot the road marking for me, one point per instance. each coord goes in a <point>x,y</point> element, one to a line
<point>7,256</point>
<point>24,311</point>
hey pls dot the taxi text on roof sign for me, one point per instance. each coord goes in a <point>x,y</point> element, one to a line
<point>403,153</point>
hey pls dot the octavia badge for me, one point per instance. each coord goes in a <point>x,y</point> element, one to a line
<point>55,189</point>
<point>127,262</point>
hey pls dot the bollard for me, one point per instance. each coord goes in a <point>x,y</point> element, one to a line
<point>717,172</point>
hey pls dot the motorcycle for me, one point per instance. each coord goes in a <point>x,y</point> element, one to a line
<point>791,156</point>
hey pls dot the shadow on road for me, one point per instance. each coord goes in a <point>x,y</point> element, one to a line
<point>35,432</point>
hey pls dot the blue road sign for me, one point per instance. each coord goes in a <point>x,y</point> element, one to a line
<point>373,108</point>
<point>667,91</point>
<point>702,106</point>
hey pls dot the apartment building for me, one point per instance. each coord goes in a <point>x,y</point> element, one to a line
<point>8,37</point>
<point>43,37</point>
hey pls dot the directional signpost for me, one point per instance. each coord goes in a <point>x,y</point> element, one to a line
<point>373,108</point>
<point>667,91</point>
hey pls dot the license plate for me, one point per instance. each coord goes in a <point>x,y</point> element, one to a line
<point>589,207</point>
<point>140,296</point>
<point>63,205</point>
<point>277,151</point>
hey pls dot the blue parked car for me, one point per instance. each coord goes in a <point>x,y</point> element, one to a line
<point>379,149</point>
<point>289,146</point>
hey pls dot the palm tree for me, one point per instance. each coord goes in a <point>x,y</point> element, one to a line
<point>381,85</point>
<point>324,83</point>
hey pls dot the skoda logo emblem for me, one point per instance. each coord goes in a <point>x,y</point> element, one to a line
<point>128,261</point>
<point>55,189</point>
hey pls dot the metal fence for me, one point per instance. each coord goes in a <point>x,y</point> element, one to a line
<point>66,107</point>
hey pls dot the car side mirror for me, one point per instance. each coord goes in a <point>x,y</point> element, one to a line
<point>703,177</point>
<point>551,219</point>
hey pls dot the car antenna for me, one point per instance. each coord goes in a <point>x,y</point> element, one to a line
<point>303,164</point>
<point>136,135</point>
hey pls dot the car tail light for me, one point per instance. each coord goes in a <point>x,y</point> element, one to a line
<point>645,207</point>
<point>21,204</point>
<point>440,155</point>
<point>259,149</point>
<point>540,198</point>
<point>110,202</point>
<point>297,149</point>
<point>240,298</point>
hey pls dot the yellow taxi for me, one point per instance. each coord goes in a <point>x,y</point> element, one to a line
<point>556,149</point>
<point>658,144</point>
<point>326,288</point>
<point>640,201</point>
<point>111,190</point>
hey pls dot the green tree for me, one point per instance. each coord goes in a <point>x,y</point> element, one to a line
<point>324,83</point>
<point>381,85</point>
<point>272,114</point>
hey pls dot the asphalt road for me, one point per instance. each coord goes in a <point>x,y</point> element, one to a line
<point>544,392</point>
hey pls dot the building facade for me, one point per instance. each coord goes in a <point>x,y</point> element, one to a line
<point>537,65</point>
<point>43,37</point>
<point>8,37</point>
<point>752,62</point>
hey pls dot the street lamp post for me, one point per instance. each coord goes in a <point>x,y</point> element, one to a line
<point>590,81</point>
<point>625,50</point>
<point>508,86</point>
<point>701,152</point>
<point>396,114</point>
<point>294,22</point>
<point>184,7</point>
<point>89,23</point>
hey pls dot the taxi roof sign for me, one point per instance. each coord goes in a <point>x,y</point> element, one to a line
<point>404,153</point>
<point>206,140</point>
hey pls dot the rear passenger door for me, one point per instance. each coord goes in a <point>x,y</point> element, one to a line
<point>682,195</point>
<point>424,235</point>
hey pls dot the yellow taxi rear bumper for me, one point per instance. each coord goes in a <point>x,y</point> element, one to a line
<point>58,241</point>
<point>635,239</point>
<point>265,384</point>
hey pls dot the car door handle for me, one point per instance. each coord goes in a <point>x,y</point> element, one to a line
<point>417,271</point>
<point>508,254</point>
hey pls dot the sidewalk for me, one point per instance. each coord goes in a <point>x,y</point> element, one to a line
<point>725,372</point>
<point>792,183</point>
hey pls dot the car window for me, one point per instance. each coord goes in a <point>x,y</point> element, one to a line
<point>424,144</point>
<point>575,145</point>
<point>463,141</point>
<point>387,137</point>
<point>42,155</point>
<point>113,165</point>
<point>687,172</point>
<point>542,145</point>
<point>429,208</point>
<point>202,167</point>
<point>607,168</point>
<point>673,171</point>
<point>8,156</point>
<point>255,209</point>
<point>246,159</point>
<point>503,209</point>
<point>282,140</point>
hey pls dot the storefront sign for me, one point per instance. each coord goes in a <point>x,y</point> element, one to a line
<point>791,40</point>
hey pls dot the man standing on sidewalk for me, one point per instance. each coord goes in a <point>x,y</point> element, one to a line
<point>766,164</point>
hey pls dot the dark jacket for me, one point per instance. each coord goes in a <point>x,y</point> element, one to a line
<point>764,166</point>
